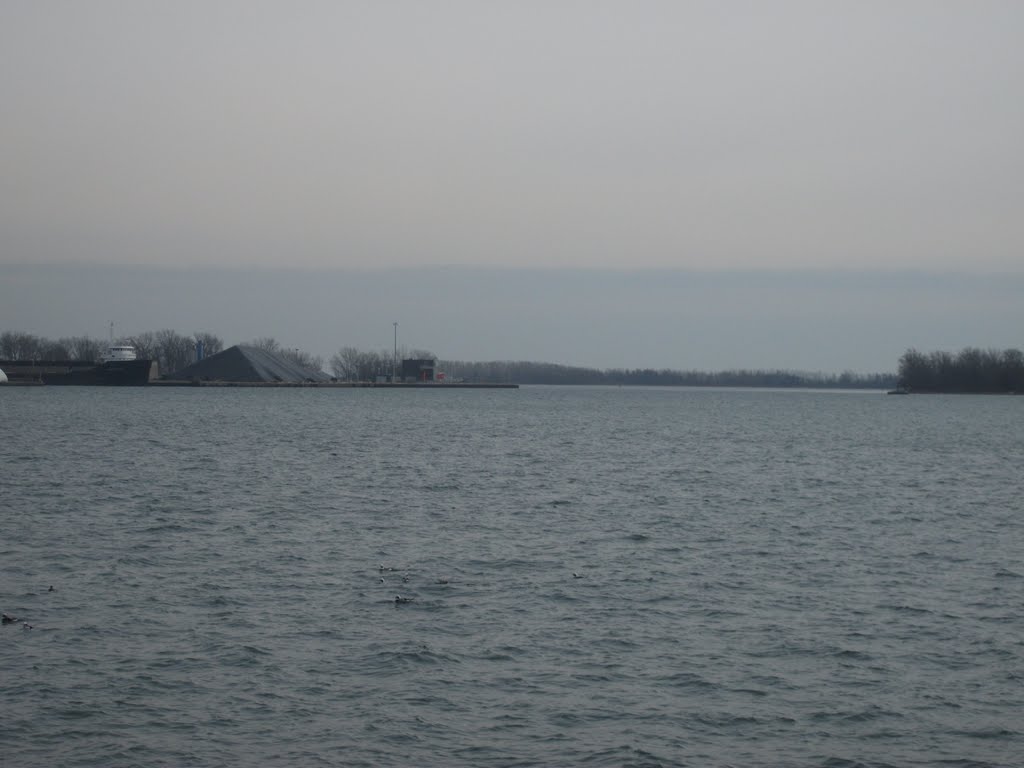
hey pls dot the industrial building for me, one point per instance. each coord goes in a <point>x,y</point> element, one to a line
<point>414,371</point>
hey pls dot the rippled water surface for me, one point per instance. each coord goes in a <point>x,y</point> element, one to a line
<point>764,578</point>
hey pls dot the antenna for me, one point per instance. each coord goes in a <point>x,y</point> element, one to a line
<point>111,333</point>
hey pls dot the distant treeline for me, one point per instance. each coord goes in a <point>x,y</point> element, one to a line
<point>352,364</point>
<point>970,370</point>
<point>174,351</point>
<point>550,373</point>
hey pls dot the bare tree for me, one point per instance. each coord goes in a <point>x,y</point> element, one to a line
<point>146,345</point>
<point>83,348</point>
<point>352,364</point>
<point>212,344</point>
<point>266,343</point>
<point>17,345</point>
<point>53,350</point>
<point>347,364</point>
<point>305,359</point>
<point>173,351</point>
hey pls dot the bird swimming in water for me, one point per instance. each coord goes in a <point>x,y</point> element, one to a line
<point>399,599</point>
<point>51,589</point>
<point>8,619</point>
<point>26,625</point>
<point>576,575</point>
<point>442,581</point>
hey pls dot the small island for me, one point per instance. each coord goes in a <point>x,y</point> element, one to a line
<point>969,371</point>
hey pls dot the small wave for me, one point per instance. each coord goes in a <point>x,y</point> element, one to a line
<point>846,653</point>
<point>720,613</point>
<point>904,608</point>
<point>986,733</point>
<point>863,716</point>
<point>392,662</point>
<point>725,720</point>
<point>244,656</point>
<point>690,680</point>
<point>166,528</point>
<point>82,712</point>
<point>750,691</point>
<point>626,757</point>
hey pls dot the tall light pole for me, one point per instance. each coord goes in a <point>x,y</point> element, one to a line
<point>394,360</point>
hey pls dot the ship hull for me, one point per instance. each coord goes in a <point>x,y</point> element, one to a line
<point>115,373</point>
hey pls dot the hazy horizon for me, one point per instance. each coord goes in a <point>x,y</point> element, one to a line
<point>810,320</point>
<point>820,185</point>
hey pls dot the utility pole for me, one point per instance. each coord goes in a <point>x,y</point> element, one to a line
<point>394,360</point>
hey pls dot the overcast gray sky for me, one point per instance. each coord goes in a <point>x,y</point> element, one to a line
<point>709,136</point>
<point>686,134</point>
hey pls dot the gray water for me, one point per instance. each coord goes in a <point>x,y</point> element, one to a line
<point>766,578</point>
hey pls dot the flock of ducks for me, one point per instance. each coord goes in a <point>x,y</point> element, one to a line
<point>6,618</point>
<point>399,599</point>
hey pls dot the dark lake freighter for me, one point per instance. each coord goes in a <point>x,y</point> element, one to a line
<point>118,366</point>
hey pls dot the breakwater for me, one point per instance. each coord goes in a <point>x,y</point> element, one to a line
<point>328,385</point>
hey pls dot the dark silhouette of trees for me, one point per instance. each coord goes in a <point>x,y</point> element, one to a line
<point>173,350</point>
<point>352,364</point>
<point>212,344</point>
<point>521,372</point>
<point>971,370</point>
<point>83,347</point>
<point>266,343</point>
<point>296,355</point>
<point>170,349</point>
<point>303,358</point>
<point>16,345</point>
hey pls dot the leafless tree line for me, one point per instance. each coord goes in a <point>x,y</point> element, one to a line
<point>353,364</point>
<point>969,370</point>
<point>172,350</point>
<point>169,348</point>
<point>16,345</point>
<point>175,351</point>
<point>524,372</point>
<point>296,355</point>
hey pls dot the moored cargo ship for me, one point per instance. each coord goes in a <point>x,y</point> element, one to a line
<point>119,366</point>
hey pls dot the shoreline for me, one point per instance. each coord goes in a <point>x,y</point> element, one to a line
<point>324,385</point>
